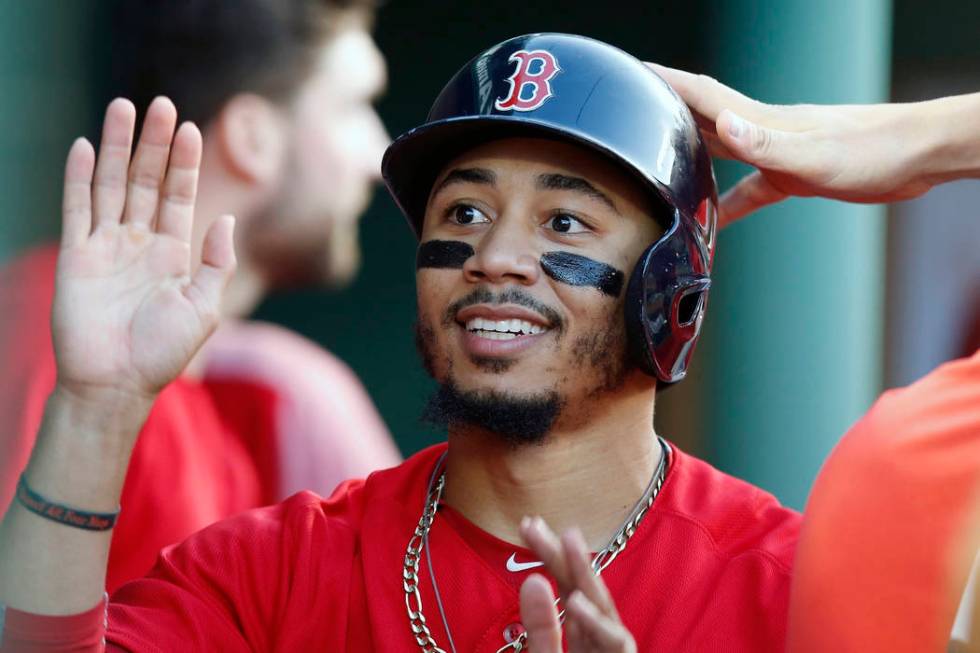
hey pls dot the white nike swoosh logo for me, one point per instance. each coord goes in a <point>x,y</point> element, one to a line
<point>514,565</point>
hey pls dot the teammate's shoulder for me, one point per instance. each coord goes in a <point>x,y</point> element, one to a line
<point>255,347</point>
<point>739,517</point>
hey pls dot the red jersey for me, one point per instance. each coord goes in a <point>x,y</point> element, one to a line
<point>238,438</point>
<point>707,570</point>
<point>887,536</point>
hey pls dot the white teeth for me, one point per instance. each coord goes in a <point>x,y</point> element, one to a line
<point>506,328</point>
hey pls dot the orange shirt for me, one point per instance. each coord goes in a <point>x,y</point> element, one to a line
<point>886,542</point>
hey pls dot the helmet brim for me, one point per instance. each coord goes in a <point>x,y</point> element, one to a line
<point>413,161</point>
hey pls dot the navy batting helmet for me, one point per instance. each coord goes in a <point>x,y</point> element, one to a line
<point>580,90</point>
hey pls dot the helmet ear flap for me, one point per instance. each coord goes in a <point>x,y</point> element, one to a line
<point>665,304</point>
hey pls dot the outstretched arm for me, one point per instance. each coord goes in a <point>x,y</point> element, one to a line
<point>130,309</point>
<point>857,153</point>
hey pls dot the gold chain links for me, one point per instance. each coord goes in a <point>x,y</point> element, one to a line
<point>604,558</point>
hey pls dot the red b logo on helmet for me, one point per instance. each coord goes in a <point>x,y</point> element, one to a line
<point>539,82</point>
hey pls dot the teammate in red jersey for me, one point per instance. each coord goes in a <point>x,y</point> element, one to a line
<point>247,423</point>
<point>538,424</point>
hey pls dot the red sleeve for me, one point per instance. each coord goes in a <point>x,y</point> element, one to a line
<point>24,632</point>
<point>243,584</point>
<point>880,561</point>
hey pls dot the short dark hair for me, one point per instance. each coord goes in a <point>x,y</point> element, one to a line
<point>200,53</point>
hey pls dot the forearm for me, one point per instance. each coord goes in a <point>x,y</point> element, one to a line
<point>80,460</point>
<point>951,126</point>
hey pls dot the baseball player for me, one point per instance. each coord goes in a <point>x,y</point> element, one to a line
<point>565,208</point>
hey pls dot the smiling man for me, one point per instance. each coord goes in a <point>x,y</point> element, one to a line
<point>565,207</point>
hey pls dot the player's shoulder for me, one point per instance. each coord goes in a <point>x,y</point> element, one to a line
<point>739,518</point>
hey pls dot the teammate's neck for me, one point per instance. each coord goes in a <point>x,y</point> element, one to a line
<point>587,475</point>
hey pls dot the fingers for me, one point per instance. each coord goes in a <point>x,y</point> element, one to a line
<point>595,630</point>
<point>799,152</point>
<point>76,206</point>
<point>539,615</point>
<point>594,623</point>
<point>109,189</point>
<point>750,194</point>
<point>180,186</point>
<point>583,577</point>
<point>543,541</point>
<point>707,96</point>
<point>569,561</point>
<point>150,163</point>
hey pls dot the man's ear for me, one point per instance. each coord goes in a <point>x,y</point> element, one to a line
<point>251,135</point>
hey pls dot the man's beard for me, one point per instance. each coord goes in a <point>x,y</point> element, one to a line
<point>515,419</point>
<point>295,244</point>
<point>522,419</point>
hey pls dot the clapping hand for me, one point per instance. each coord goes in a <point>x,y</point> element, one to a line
<point>592,624</point>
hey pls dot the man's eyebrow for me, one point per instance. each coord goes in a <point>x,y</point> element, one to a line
<point>554,181</point>
<point>467,176</point>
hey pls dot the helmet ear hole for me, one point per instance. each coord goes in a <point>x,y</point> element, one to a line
<point>689,308</point>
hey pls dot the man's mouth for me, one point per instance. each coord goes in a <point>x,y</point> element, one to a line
<point>502,329</point>
<point>494,330</point>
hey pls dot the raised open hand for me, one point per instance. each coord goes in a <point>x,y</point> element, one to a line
<point>592,623</point>
<point>129,309</point>
<point>857,153</point>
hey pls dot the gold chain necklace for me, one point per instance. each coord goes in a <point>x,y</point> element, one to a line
<point>416,544</point>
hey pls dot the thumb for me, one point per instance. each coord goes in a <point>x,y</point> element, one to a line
<point>217,266</point>
<point>760,146</point>
<point>751,193</point>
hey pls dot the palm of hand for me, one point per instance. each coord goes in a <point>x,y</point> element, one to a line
<point>127,314</point>
<point>119,298</point>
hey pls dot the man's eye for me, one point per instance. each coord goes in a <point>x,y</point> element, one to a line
<point>466,214</point>
<point>567,224</point>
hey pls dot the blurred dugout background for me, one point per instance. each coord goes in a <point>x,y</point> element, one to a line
<point>817,305</point>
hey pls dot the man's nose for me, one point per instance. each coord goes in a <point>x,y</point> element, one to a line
<point>504,255</point>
